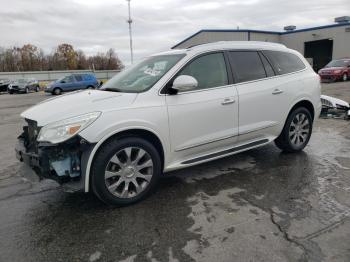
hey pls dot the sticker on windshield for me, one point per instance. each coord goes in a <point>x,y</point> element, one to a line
<point>152,72</point>
<point>160,65</point>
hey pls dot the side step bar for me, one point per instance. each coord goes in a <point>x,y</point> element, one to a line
<point>225,152</point>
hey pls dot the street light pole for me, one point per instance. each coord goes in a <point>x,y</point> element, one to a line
<point>130,35</point>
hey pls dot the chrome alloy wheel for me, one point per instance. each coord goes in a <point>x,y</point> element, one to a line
<point>129,172</point>
<point>299,130</point>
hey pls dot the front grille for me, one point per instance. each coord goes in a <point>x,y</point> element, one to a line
<point>328,77</point>
<point>326,103</point>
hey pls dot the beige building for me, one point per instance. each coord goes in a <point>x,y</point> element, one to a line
<point>318,44</point>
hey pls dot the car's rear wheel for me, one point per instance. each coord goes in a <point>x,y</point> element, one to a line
<point>125,171</point>
<point>90,87</point>
<point>26,90</point>
<point>345,77</point>
<point>37,89</point>
<point>296,132</point>
<point>57,91</point>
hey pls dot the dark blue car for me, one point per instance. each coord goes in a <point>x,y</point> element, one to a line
<point>71,83</point>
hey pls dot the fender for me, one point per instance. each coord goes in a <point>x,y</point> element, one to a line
<point>104,138</point>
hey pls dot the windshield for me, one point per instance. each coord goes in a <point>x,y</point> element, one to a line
<point>143,75</point>
<point>338,63</point>
<point>21,80</point>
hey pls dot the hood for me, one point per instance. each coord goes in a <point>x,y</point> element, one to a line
<point>77,103</point>
<point>331,68</point>
<point>16,83</point>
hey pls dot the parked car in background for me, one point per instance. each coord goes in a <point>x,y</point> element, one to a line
<point>336,70</point>
<point>4,83</point>
<point>71,83</point>
<point>172,110</point>
<point>23,86</point>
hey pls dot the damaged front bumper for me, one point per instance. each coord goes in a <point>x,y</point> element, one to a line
<point>64,162</point>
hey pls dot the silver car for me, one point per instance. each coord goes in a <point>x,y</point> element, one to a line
<point>24,86</point>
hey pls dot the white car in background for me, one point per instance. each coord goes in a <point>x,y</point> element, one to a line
<point>170,111</point>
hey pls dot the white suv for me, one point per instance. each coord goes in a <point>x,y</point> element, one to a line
<point>172,110</point>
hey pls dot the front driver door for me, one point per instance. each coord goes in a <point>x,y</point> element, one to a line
<point>68,83</point>
<point>204,119</point>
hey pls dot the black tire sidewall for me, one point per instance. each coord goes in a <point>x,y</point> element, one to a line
<point>57,93</point>
<point>286,128</point>
<point>105,154</point>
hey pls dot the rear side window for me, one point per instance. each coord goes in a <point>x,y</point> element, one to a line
<point>78,78</point>
<point>209,70</point>
<point>88,77</point>
<point>283,62</point>
<point>247,66</point>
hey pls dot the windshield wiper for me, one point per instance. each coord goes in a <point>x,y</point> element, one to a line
<point>111,89</point>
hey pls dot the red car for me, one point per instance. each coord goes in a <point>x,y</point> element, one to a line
<point>336,70</point>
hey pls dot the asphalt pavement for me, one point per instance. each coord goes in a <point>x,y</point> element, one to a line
<point>260,205</point>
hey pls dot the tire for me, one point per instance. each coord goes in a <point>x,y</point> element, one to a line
<point>57,91</point>
<point>90,87</point>
<point>37,89</point>
<point>299,121</point>
<point>113,157</point>
<point>345,77</point>
<point>26,90</point>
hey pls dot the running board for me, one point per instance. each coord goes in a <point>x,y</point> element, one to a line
<point>225,152</point>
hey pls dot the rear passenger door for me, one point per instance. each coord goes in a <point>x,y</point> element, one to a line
<point>261,98</point>
<point>80,83</point>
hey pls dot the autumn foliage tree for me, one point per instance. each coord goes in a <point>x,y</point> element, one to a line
<point>63,57</point>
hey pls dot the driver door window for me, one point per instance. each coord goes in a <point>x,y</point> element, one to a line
<point>68,79</point>
<point>209,70</point>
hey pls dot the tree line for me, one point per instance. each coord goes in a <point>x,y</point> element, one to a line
<point>31,58</point>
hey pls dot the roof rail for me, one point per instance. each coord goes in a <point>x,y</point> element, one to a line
<point>261,43</point>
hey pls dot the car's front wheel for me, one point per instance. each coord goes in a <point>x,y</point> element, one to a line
<point>345,77</point>
<point>296,132</point>
<point>125,171</point>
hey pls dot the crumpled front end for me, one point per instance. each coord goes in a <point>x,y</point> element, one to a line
<point>64,162</point>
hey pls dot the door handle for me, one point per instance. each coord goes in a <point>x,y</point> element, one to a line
<point>228,100</point>
<point>277,92</point>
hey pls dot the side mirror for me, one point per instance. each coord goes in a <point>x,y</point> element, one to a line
<point>184,83</point>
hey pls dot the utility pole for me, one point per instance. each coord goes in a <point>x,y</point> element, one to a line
<point>130,35</point>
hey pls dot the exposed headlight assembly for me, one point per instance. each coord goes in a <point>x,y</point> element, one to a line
<point>60,131</point>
